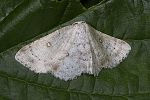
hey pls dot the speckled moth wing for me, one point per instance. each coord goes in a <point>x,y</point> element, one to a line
<point>107,51</point>
<point>73,50</point>
<point>42,50</point>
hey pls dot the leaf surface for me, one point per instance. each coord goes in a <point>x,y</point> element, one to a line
<point>125,19</point>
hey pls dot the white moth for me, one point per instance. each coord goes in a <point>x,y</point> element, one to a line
<point>72,50</point>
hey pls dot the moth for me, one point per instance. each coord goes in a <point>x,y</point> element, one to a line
<point>72,50</point>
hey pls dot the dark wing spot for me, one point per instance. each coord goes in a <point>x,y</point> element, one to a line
<point>55,67</point>
<point>100,41</point>
<point>48,44</point>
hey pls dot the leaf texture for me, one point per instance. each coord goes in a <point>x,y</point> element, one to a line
<point>125,19</point>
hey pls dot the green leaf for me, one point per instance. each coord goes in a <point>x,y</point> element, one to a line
<point>89,3</point>
<point>33,17</point>
<point>125,19</point>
